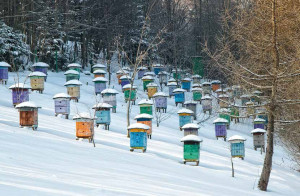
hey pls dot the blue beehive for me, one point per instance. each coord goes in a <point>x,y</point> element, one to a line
<point>41,67</point>
<point>186,84</point>
<point>237,146</point>
<point>141,71</point>
<point>161,101</point>
<point>4,72</point>
<point>138,136</point>
<point>125,80</point>
<point>263,115</point>
<point>100,84</point>
<point>102,113</point>
<point>185,117</point>
<point>179,95</point>
<point>157,68</point>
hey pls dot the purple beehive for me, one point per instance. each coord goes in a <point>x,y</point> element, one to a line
<point>259,123</point>
<point>221,128</point>
<point>160,100</point>
<point>41,67</point>
<point>125,80</point>
<point>20,93</point>
<point>4,72</point>
<point>62,104</point>
<point>100,84</point>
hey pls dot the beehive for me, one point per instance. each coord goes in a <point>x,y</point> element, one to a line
<point>176,74</point>
<point>206,102</point>
<point>224,101</point>
<point>125,80</point>
<point>126,90</point>
<point>138,136</point>
<point>141,71</point>
<point>145,119</point>
<point>74,66</point>
<point>235,113</point>
<point>20,93</point>
<point>121,73</point>
<point>197,94</point>
<point>73,89</point>
<point>163,77</point>
<point>190,129</point>
<point>158,68</point>
<point>161,101</point>
<point>259,138</point>
<point>225,113</point>
<point>220,128</point>
<point>99,73</point>
<point>41,67</point>
<point>259,123</point>
<point>62,104</point>
<point>110,96</point>
<point>206,88</point>
<point>237,146</point>
<point>149,73</point>
<point>172,86</point>
<point>250,109</point>
<point>237,91</point>
<point>100,84</point>
<point>71,75</point>
<point>191,148</point>
<point>196,78</point>
<point>4,72</point>
<point>102,113</point>
<point>28,114</point>
<point>186,84</point>
<point>191,105</point>
<point>256,96</point>
<point>146,80</point>
<point>84,126</point>
<point>179,95</point>
<point>99,66</point>
<point>37,80</point>
<point>215,84</point>
<point>245,98</point>
<point>146,106</point>
<point>185,117</point>
<point>151,89</point>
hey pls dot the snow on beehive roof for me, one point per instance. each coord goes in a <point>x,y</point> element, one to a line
<point>190,126</point>
<point>223,95</point>
<point>129,86</point>
<point>73,82</point>
<point>220,120</point>
<point>152,85</point>
<point>147,77</point>
<point>258,130</point>
<point>162,73</point>
<point>145,101</point>
<point>224,110</point>
<point>138,126</point>
<point>102,105</point>
<point>259,120</point>
<point>171,80</point>
<point>216,82</point>
<point>74,65</point>
<point>125,77</point>
<point>121,71</point>
<point>220,90</point>
<point>206,83</point>
<point>83,115</point>
<point>246,96</point>
<point>256,92</point>
<point>158,65</point>
<point>196,76</point>
<point>184,110</point>
<point>40,64</point>
<point>27,104</point>
<point>4,64</point>
<point>186,79</point>
<point>191,138</point>
<point>37,73</point>
<point>71,72</point>
<point>99,65</point>
<point>172,84</point>
<point>196,85</point>
<point>236,137</point>
<point>149,73</point>
<point>100,79</point>
<point>249,103</point>
<point>109,90</point>
<point>61,95</point>
<point>196,89</point>
<point>206,97</point>
<point>160,94</point>
<point>142,68</point>
<point>190,102</point>
<point>174,70</point>
<point>143,116</point>
<point>20,85</point>
<point>99,71</point>
<point>179,90</point>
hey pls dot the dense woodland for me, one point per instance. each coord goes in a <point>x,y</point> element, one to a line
<point>254,44</point>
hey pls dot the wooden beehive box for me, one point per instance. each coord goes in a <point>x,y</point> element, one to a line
<point>191,148</point>
<point>146,80</point>
<point>37,81</point>
<point>237,146</point>
<point>186,84</point>
<point>258,138</point>
<point>224,101</point>
<point>185,117</point>
<point>141,71</point>
<point>197,94</point>
<point>20,93</point>
<point>41,67</point>
<point>100,84</point>
<point>84,126</point>
<point>206,88</point>
<point>102,113</point>
<point>125,80</point>
<point>220,128</point>
<point>161,101</point>
<point>163,77</point>
<point>206,102</point>
<point>138,136</point>
<point>75,66</point>
<point>151,89</point>
<point>62,104</point>
<point>196,79</point>
<point>190,129</point>
<point>110,97</point>
<point>215,85</point>
<point>172,86</point>
<point>99,66</point>
<point>73,89</point>
<point>28,114</point>
<point>179,95</point>
<point>71,75</point>
<point>126,90</point>
<point>4,72</point>
<point>145,106</point>
<point>191,105</point>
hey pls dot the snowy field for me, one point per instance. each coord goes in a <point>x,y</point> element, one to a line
<point>50,161</point>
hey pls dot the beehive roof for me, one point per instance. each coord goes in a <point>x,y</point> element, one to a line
<point>71,72</point>
<point>147,78</point>
<point>236,138</point>
<point>152,85</point>
<point>145,101</point>
<point>224,110</point>
<point>191,138</point>
<point>178,90</point>
<point>160,94</point>
<point>37,73</point>
<point>129,86</point>
<point>220,90</point>
<point>74,65</point>
<point>206,83</point>
<point>172,84</point>
<point>61,95</point>
<point>190,102</point>
<point>220,120</point>
<point>186,79</point>
<point>196,89</point>
<point>158,65</point>
<point>223,95</point>
<point>256,92</point>
<point>40,64</point>
<point>100,79</point>
<point>190,126</point>
<point>83,115</point>
<point>99,65</point>
<point>99,71</point>
<point>163,73</point>
<point>196,76</point>
<point>149,73</point>
<point>142,68</point>
<point>216,82</point>
<point>122,71</point>
<point>258,130</point>
<point>27,104</point>
<point>73,82</point>
<point>4,64</point>
<point>184,110</point>
<point>259,120</point>
<point>138,126</point>
<point>206,97</point>
<point>109,90</point>
<point>143,116</point>
<point>171,80</point>
<point>196,85</point>
<point>20,85</point>
<point>125,77</point>
<point>102,105</point>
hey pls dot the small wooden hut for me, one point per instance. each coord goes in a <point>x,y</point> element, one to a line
<point>73,89</point>
<point>126,90</point>
<point>237,146</point>
<point>259,138</point>
<point>20,93</point>
<point>161,101</point>
<point>28,114</point>
<point>145,119</point>
<point>62,104</point>
<point>151,89</point>
<point>191,148</point>
<point>146,106</point>
<point>138,136</point>
<point>4,72</point>
<point>221,128</point>
<point>102,113</point>
<point>179,95</point>
<point>110,96</point>
<point>71,75</point>
<point>84,126</point>
<point>185,117</point>
<point>100,84</point>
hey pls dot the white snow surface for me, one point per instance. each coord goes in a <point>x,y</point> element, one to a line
<point>138,126</point>
<point>129,86</point>
<point>40,64</point>
<point>27,104</point>
<point>73,82</point>
<point>109,90</point>
<point>236,137</point>
<point>258,130</point>
<point>99,71</point>
<point>184,110</point>
<point>61,95</point>
<point>191,125</point>
<point>49,161</point>
<point>143,116</point>
<point>194,138</point>
<point>71,71</point>
<point>160,94</point>
<point>4,64</point>
<point>37,73</point>
<point>74,65</point>
<point>220,120</point>
<point>152,84</point>
<point>100,79</point>
<point>102,105</point>
<point>19,85</point>
<point>99,65</point>
<point>145,101</point>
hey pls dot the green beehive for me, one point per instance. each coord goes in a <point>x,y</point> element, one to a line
<point>147,80</point>
<point>145,106</point>
<point>176,74</point>
<point>74,66</point>
<point>126,90</point>
<point>71,75</point>
<point>197,94</point>
<point>191,148</point>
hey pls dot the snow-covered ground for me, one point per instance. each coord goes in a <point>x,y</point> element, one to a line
<point>50,161</point>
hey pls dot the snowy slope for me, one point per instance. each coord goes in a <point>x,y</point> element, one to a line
<point>50,161</point>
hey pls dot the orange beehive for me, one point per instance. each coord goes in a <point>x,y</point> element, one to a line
<point>84,126</point>
<point>215,84</point>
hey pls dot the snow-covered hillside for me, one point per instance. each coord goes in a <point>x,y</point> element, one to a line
<point>50,161</point>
